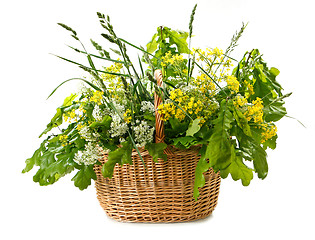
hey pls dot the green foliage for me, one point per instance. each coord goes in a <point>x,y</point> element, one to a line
<point>57,118</point>
<point>202,166</point>
<point>84,176</point>
<point>238,170</point>
<point>156,150</point>
<point>219,150</point>
<point>230,116</point>
<point>251,150</point>
<point>193,128</point>
<point>121,155</point>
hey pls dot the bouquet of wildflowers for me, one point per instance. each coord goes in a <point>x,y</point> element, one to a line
<point>225,107</point>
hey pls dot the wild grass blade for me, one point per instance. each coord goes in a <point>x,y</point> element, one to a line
<point>296,120</point>
<point>71,79</point>
<point>81,65</point>
<point>189,43</point>
<point>93,55</point>
<point>142,50</point>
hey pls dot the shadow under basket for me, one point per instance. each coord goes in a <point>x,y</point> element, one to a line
<point>162,193</point>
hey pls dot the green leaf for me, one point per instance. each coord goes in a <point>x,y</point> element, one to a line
<point>253,151</point>
<point>238,170</point>
<point>185,142</point>
<point>153,44</point>
<point>41,177</point>
<point>274,111</point>
<point>202,166</point>
<point>242,121</point>
<point>57,118</point>
<point>204,133</point>
<point>177,127</point>
<point>219,150</point>
<point>271,143</point>
<point>84,176</point>
<point>63,165</point>
<point>156,150</point>
<point>178,38</point>
<point>260,161</point>
<point>105,123</point>
<point>121,155</point>
<point>30,162</point>
<point>193,128</point>
<point>219,147</point>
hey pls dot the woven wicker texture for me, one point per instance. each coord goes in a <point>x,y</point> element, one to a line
<point>161,193</point>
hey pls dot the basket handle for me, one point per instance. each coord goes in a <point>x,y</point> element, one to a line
<point>159,124</point>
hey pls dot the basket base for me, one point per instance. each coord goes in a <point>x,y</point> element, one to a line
<point>165,207</point>
<point>157,219</point>
<point>161,193</point>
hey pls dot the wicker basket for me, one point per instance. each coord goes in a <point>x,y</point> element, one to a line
<point>163,192</point>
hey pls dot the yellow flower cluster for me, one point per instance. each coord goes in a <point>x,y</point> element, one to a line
<point>268,132</point>
<point>80,126</point>
<point>239,101</point>
<point>167,110</point>
<point>255,111</point>
<point>185,104</point>
<point>70,116</point>
<point>97,97</point>
<point>178,95</point>
<point>169,59</point>
<point>232,83</point>
<point>205,84</point>
<point>194,106</point>
<point>127,116</point>
<point>249,87</point>
<point>63,139</point>
<point>115,68</point>
<point>209,54</point>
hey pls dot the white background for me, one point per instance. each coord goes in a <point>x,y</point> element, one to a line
<point>280,207</point>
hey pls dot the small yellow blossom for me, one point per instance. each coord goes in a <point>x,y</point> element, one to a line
<point>127,116</point>
<point>232,83</point>
<point>269,132</point>
<point>255,111</point>
<point>97,97</point>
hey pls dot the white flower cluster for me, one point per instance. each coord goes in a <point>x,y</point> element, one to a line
<point>187,88</point>
<point>90,155</point>
<point>97,113</point>
<point>89,136</point>
<point>120,108</point>
<point>143,133</point>
<point>147,106</point>
<point>117,126</point>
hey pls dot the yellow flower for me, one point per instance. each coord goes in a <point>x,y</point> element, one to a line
<point>97,97</point>
<point>249,87</point>
<point>63,139</point>
<point>80,126</point>
<point>232,83</point>
<point>269,132</point>
<point>127,116</point>
<point>239,101</point>
<point>255,111</point>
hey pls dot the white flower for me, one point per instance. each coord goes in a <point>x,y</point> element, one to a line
<point>119,108</point>
<point>188,88</point>
<point>117,127</point>
<point>143,134</point>
<point>147,106</point>
<point>89,155</point>
<point>97,113</point>
<point>89,136</point>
